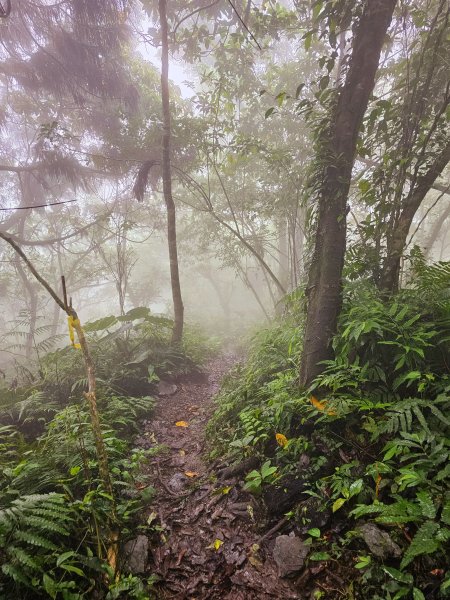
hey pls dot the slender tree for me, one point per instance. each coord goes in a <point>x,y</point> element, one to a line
<point>336,155</point>
<point>178,308</point>
<point>397,241</point>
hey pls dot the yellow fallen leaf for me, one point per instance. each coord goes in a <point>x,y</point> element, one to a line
<point>182,452</point>
<point>181,424</point>
<point>226,489</point>
<point>215,545</point>
<point>281,440</point>
<point>322,406</point>
<point>191,474</point>
<point>317,404</point>
<point>254,558</point>
<point>255,562</point>
<point>151,517</point>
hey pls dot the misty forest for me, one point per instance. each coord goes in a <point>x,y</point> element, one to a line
<point>225,299</point>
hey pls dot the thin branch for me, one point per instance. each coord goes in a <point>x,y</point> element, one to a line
<point>244,25</point>
<point>38,205</point>
<point>42,281</point>
<point>191,14</point>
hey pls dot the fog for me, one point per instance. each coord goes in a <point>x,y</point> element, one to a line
<point>81,114</point>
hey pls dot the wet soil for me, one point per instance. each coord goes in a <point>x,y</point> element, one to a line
<point>211,542</point>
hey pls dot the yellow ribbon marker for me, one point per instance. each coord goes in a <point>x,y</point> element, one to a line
<point>72,323</point>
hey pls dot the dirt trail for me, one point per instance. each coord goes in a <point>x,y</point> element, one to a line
<point>206,548</point>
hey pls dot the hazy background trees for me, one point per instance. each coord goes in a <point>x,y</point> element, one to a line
<point>252,89</point>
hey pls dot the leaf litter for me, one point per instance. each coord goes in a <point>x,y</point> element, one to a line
<point>205,546</point>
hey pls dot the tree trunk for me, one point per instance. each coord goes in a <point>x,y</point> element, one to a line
<point>178,307</point>
<point>336,152</point>
<point>283,251</point>
<point>397,240</point>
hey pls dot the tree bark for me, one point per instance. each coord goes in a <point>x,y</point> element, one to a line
<point>336,152</point>
<point>397,241</point>
<point>178,308</point>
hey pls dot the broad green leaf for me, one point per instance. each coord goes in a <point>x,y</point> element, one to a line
<point>398,575</point>
<point>308,40</point>
<point>319,556</point>
<point>50,586</point>
<point>314,532</point>
<point>338,503</point>
<point>100,324</point>
<point>140,312</point>
<point>63,557</point>
<point>73,569</point>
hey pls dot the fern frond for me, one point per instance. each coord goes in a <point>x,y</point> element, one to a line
<point>18,554</point>
<point>33,539</point>
<point>424,542</point>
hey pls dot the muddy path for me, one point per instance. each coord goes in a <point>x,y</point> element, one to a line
<point>209,545</point>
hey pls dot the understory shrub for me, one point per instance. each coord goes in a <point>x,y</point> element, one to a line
<point>53,509</point>
<point>369,441</point>
<point>55,515</point>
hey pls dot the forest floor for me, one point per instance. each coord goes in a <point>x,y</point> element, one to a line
<point>208,545</point>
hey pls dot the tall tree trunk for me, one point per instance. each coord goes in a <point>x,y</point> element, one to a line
<point>337,153</point>
<point>397,240</point>
<point>178,307</point>
<point>283,251</point>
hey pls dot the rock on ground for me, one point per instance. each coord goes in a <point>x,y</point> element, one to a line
<point>136,554</point>
<point>289,554</point>
<point>378,541</point>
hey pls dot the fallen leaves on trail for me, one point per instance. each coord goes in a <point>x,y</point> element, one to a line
<point>254,558</point>
<point>151,517</point>
<point>191,474</point>
<point>203,536</point>
<point>281,440</point>
<point>216,544</point>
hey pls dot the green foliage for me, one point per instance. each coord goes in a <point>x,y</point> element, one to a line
<point>256,479</point>
<point>32,534</point>
<point>374,426</point>
<point>257,401</point>
<point>54,512</point>
<point>60,469</point>
<point>131,353</point>
<point>69,509</point>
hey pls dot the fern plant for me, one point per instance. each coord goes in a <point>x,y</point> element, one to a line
<point>32,533</point>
